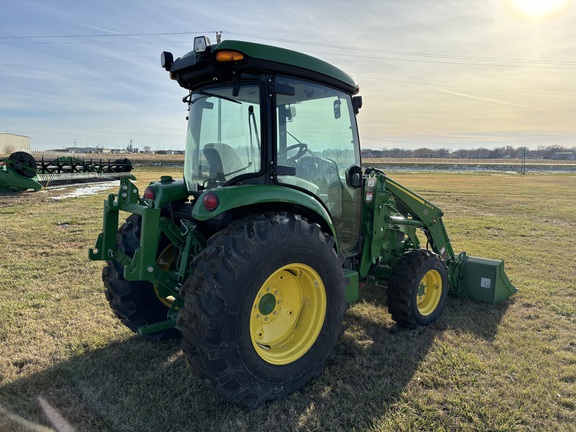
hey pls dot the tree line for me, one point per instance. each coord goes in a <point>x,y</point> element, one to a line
<point>542,152</point>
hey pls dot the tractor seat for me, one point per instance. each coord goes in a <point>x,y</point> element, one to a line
<point>223,160</point>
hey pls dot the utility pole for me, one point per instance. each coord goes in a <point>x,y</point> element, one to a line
<point>523,170</point>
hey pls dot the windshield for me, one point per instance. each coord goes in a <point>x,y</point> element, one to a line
<point>223,139</point>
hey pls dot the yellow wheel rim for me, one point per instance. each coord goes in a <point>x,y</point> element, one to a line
<point>287,314</point>
<point>429,292</point>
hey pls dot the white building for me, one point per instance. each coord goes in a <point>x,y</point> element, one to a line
<point>9,143</point>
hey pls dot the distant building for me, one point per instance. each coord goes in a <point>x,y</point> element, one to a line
<point>565,155</point>
<point>9,143</point>
<point>83,150</point>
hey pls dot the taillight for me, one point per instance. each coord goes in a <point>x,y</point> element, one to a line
<point>211,201</point>
<point>149,193</point>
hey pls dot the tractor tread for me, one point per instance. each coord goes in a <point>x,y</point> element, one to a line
<point>209,319</point>
<point>402,286</point>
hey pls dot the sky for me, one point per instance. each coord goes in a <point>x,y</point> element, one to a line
<point>432,73</point>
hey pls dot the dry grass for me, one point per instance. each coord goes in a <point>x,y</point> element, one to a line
<point>65,360</point>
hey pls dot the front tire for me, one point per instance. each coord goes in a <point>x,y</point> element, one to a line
<point>263,309</point>
<point>417,289</point>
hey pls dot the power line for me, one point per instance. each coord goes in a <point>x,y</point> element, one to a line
<point>451,62</point>
<point>103,35</point>
<point>466,87</point>
<point>73,63</point>
<point>97,43</point>
<point>300,42</point>
<point>406,53</point>
<point>469,60</point>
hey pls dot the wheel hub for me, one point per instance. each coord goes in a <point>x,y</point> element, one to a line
<point>287,314</point>
<point>429,292</point>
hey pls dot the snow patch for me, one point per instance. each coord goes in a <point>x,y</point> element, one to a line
<point>87,190</point>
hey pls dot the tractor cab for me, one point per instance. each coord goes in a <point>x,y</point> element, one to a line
<point>265,127</point>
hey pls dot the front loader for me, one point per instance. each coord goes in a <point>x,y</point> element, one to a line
<point>254,256</point>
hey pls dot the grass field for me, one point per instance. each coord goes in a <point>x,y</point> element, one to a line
<point>66,363</point>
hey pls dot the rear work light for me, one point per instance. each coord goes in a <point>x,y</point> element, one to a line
<point>201,44</point>
<point>211,201</point>
<point>229,56</point>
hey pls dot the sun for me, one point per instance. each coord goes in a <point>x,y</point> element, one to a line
<point>535,9</point>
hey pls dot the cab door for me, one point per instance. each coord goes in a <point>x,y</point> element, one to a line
<point>316,135</point>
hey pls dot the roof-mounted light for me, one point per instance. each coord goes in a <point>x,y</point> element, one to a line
<point>229,56</point>
<point>201,43</point>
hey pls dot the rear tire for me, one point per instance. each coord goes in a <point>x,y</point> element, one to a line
<point>263,309</point>
<point>417,289</point>
<point>134,302</point>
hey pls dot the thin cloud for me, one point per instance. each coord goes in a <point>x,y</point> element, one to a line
<point>110,90</point>
<point>492,100</point>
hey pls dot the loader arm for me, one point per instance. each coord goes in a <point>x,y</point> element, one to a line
<point>393,213</point>
<point>428,214</point>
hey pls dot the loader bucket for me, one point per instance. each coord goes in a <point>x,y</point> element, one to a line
<point>485,280</point>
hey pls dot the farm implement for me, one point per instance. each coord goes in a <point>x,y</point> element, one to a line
<point>255,255</point>
<point>21,171</point>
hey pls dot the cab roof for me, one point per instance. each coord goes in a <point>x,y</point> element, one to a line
<point>196,68</point>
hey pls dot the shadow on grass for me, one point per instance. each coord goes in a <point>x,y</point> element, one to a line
<point>138,385</point>
<point>377,360</point>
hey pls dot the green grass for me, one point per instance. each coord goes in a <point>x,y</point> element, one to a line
<point>509,367</point>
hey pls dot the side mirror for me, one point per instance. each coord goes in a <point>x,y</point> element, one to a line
<point>354,177</point>
<point>357,103</point>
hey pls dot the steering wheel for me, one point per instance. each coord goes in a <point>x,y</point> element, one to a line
<point>302,149</point>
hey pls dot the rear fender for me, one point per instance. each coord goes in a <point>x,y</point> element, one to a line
<point>234,197</point>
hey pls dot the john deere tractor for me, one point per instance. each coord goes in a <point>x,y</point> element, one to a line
<point>254,256</point>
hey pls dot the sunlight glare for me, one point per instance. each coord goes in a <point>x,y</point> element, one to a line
<point>535,9</point>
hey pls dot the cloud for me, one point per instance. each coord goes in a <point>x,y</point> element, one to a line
<point>110,88</point>
<point>492,100</point>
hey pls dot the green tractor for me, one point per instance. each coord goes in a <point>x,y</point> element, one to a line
<point>254,257</point>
